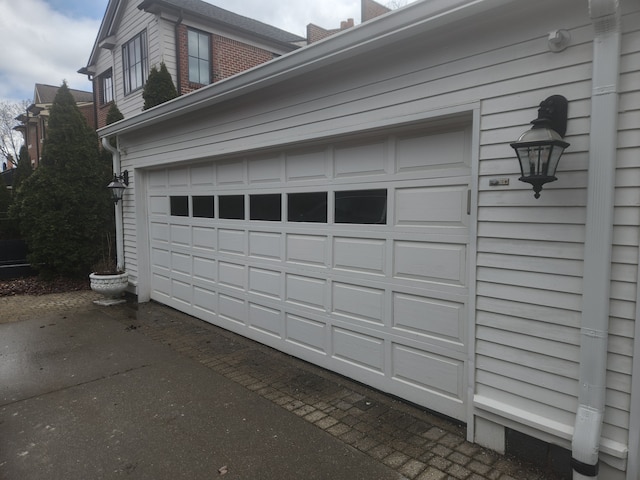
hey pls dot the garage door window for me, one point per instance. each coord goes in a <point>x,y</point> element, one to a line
<point>266,207</point>
<point>307,207</point>
<point>361,206</point>
<point>202,206</point>
<point>180,206</point>
<point>231,207</point>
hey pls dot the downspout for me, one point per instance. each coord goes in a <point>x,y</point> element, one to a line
<point>115,153</point>
<point>178,56</point>
<point>594,332</point>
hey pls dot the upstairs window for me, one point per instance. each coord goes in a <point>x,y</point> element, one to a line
<point>106,87</point>
<point>199,57</point>
<point>134,61</point>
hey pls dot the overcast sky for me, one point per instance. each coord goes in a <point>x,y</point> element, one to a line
<point>47,41</point>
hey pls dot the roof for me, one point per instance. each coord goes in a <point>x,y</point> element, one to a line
<point>45,94</point>
<point>197,8</point>
<point>220,15</point>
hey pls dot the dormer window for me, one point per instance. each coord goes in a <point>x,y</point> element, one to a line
<point>199,57</point>
<point>134,62</point>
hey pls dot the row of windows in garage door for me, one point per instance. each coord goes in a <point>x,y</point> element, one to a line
<point>352,206</point>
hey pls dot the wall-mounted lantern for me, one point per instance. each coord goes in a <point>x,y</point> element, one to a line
<point>540,148</point>
<point>117,186</point>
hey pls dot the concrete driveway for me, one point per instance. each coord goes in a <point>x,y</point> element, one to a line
<point>84,397</point>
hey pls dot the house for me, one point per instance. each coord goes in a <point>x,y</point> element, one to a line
<point>356,204</point>
<point>369,9</point>
<point>199,43</point>
<point>34,121</point>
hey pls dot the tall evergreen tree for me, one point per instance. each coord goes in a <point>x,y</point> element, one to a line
<point>24,168</point>
<point>64,208</point>
<point>159,87</point>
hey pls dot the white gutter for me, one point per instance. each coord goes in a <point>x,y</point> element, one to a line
<point>118,206</point>
<point>605,16</point>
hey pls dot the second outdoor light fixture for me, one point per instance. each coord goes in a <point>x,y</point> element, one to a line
<point>118,185</point>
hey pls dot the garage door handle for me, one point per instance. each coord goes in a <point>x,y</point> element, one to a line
<point>469,202</point>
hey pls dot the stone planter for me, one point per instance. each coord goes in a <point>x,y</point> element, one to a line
<point>111,286</point>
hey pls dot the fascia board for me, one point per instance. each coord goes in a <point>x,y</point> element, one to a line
<point>111,18</point>
<point>420,17</point>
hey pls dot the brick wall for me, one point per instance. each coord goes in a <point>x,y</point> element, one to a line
<point>316,33</point>
<point>229,57</point>
<point>371,9</point>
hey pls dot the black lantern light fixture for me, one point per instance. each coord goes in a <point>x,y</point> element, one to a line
<point>117,186</point>
<point>540,148</point>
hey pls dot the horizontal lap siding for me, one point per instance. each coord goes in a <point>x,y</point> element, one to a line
<point>530,274</point>
<point>624,269</point>
<point>530,252</point>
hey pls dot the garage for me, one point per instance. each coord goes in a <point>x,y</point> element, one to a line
<point>350,254</point>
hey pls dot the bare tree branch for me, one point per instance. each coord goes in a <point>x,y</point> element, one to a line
<point>11,140</point>
<point>395,4</point>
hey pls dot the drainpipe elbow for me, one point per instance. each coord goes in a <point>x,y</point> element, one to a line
<point>586,441</point>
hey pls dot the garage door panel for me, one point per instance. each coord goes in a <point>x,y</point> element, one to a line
<point>178,177</point>
<point>231,241</point>
<point>411,206</point>
<point>306,165</point>
<point>204,238</point>
<point>359,160</point>
<point>205,300</point>
<point>267,320</point>
<point>181,263</point>
<point>433,318</point>
<point>265,245</point>
<point>428,371</point>
<point>157,179</point>
<point>232,309</point>
<point>427,152</point>
<point>358,302</point>
<point>161,258</point>
<point>158,205</point>
<point>430,262</point>
<point>265,170</point>
<point>161,284</point>
<point>360,255</point>
<point>265,282</point>
<point>181,235</point>
<point>231,173</point>
<point>204,269</point>
<point>159,232</point>
<point>306,332</point>
<point>307,249</point>
<point>181,291</point>
<point>231,275</point>
<point>202,175</point>
<point>356,348</point>
<point>306,291</point>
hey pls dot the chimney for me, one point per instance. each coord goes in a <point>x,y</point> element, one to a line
<point>346,24</point>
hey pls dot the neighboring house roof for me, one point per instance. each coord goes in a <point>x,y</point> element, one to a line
<point>45,94</point>
<point>220,15</point>
<point>196,8</point>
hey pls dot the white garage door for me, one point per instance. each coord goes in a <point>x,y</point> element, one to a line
<point>352,256</point>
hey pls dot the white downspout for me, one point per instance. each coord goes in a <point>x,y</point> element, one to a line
<point>115,153</point>
<point>605,16</point>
